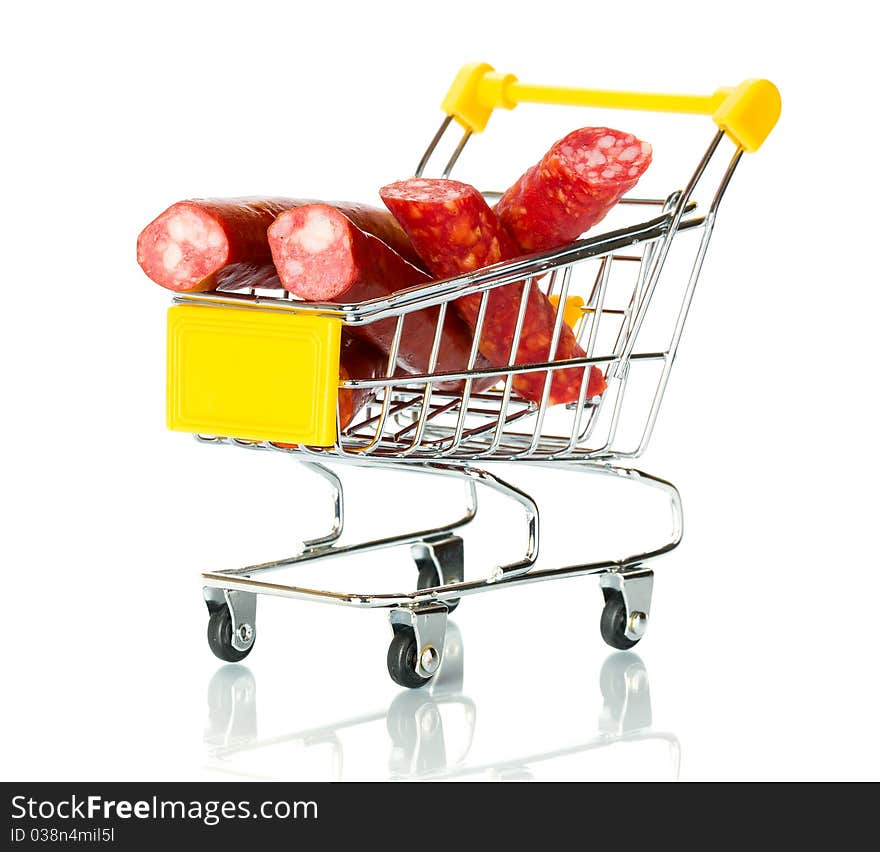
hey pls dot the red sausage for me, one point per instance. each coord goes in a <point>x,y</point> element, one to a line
<point>321,255</point>
<point>357,360</point>
<point>455,231</point>
<point>572,188</point>
<point>215,243</point>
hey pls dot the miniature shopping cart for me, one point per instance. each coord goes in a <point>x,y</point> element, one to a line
<point>608,287</point>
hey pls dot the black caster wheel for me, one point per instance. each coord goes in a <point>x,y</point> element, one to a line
<point>220,636</point>
<point>613,622</point>
<point>428,579</point>
<point>402,659</point>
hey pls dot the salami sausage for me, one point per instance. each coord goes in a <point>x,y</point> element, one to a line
<point>572,188</point>
<point>321,255</point>
<point>220,244</point>
<point>357,360</point>
<point>203,244</point>
<point>455,231</point>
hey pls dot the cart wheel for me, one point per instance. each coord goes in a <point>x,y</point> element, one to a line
<point>220,636</point>
<point>428,578</point>
<point>402,659</point>
<point>613,622</point>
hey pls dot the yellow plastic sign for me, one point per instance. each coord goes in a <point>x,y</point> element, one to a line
<point>255,374</point>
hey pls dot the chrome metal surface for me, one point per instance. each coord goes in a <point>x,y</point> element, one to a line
<point>429,661</point>
<point>428,622</point>
<point>243,609</point>
<point>489,425</point>
<point>445,554</point>
<point>635,302</point>
<point>456,154</point>
<point>635,586</point>
<point>519,572</point>
<point>637,624</point>
<point>333,550</point>
<point>338,506</point>
<point>448,289</point>
<point>433,145</point>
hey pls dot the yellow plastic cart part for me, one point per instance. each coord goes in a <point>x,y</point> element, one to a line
<point>746,113</point>
<point>572,311</point>
<point>258,375</point>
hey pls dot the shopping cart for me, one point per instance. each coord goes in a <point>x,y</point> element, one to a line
<point>603,285</point>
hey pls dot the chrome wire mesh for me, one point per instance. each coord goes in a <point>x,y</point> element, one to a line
<point>616,275</point>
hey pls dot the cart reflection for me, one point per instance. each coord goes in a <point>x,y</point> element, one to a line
<point>431,730</point>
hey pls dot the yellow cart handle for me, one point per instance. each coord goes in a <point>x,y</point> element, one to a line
<point>746,113</point>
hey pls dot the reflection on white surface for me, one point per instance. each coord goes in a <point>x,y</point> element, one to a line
<point>429,732</point>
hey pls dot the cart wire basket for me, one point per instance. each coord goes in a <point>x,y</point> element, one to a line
<point>607,287</point>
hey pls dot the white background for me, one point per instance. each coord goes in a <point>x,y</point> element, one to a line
<point>762,654</point>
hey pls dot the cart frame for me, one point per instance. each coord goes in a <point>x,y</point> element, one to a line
<point>417,428</point>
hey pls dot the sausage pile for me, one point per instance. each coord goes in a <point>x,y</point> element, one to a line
<point>347,253</point>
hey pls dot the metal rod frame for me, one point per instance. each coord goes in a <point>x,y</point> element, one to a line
<point>419,428</point>
<point>522,570</point>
